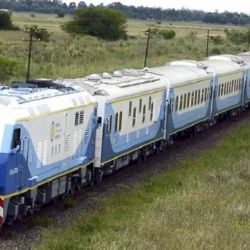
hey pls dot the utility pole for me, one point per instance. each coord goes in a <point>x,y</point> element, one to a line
<point>31,31</point>
<point>208,36</point>
<point>147,47</point>
<point>248,39</point>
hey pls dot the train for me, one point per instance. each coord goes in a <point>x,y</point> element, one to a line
<point>57,136</point>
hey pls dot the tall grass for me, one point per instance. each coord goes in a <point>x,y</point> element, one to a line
<point>200,203</point>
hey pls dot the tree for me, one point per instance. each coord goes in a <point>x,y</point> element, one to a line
<point>82,5</point>
<point>5,20</point>
<point>100,22</point>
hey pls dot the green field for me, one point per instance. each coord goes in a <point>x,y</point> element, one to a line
<point>202,202</point>
<point>67,56</point>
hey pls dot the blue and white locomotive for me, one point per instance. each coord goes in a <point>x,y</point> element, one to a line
<point>55,140</point>
<point>43,133</point>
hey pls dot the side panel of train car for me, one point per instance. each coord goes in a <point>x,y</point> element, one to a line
<point>191,105</point>
<point>131,124</point>
<point>190,94</point>
<point>230,79</point>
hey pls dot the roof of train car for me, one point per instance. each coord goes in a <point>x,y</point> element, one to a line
<point>25,103</point>
<point>222,67</point>
<point>179,73</point>
<point>119,85</point>
<point>245,56</point>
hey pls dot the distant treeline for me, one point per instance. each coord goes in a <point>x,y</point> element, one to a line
<point>58,6</point>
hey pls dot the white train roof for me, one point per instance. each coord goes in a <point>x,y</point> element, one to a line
<point>221,67</point>
<point>182,72</point>
<point>25,103</point>
<point>245,56</point>
<point>119,85</point>
<point>227,57</point>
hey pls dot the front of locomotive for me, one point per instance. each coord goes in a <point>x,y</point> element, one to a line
<point>6,151</point>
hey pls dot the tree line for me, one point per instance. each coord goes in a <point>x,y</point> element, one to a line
<point>144,13</point>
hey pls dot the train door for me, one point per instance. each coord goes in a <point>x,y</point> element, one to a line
<point>19,159</point>
<point>170,109</point>
<point>23,167</point>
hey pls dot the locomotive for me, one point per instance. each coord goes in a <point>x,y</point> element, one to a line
<point>58,138</point>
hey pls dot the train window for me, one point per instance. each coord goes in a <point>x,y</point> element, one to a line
<point>151,111</point>
<point>202,95</point>
<point>110,125</point>
<point>120,122</point>
<point>195,97</point>
<point>181,101</point>
<point>130,108</point>
<point>205,98</point>
<point>16,140</point>
<point>144,113</point>
<point>171,105</point>
<point>81,117</point>
<point>149,102</point>
<point>199,96</point>
<point>222,89</point>
<point>192,99</point>
<point>176,103</point>
<point>184,101</point>
<point>55,149</point>
<point>140,105</point>
<point>52,151</point>
<point>134,117</point>
<point>116,122</point>
<point>188,100</point>
<point>76,118</point>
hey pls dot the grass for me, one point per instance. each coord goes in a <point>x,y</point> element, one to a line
<point>38,220</point>
<point>201,203</point>
<point>66,56</point>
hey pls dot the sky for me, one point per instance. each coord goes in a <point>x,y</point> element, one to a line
<point>211,5</point>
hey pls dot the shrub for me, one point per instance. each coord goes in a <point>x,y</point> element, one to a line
<point>167,34</point>
<point>217,39</point>
<point>7,68</point>
<point>60,14</point>
<point>5,20</point>
<point>215,51</point>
